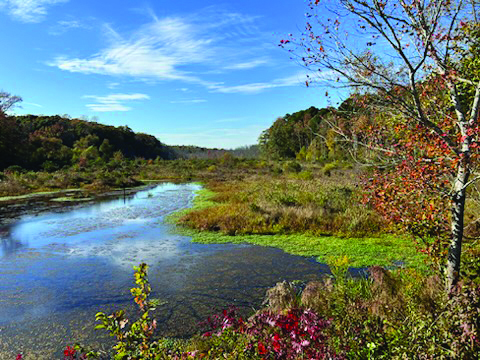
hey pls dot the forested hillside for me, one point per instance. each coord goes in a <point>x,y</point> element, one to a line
<point>53,142</point>
<point>318,134</point>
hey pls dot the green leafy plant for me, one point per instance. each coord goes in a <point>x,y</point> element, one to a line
<point>135,341</point>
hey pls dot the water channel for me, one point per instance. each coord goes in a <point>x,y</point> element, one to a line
<point>57,269</point>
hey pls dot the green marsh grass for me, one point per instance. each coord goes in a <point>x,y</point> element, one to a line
<point>379,249</point>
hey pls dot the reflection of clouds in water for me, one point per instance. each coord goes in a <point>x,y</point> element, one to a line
<point>147,212</point>
<point>127,251</point>
<point>128,229</point>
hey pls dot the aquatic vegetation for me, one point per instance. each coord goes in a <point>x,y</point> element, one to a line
<point>371,249</point>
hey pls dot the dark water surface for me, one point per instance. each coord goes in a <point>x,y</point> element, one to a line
<point>58,269</point>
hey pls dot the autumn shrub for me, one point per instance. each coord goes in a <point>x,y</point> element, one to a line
<point>293,334</point>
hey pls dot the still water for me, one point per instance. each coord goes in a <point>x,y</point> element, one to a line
<point>58,269</point>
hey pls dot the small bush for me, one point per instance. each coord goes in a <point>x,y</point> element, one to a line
<point>305,175</point>
<point>292,167</point>
<point>14,169</point>
<point>329,167</point>
<point>282,296</point>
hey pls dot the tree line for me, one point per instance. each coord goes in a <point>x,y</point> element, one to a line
<point>54,142</point>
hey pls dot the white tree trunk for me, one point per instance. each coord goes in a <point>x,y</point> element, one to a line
<point>458,210</point>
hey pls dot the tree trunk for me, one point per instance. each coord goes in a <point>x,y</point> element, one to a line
<point>458,210</point>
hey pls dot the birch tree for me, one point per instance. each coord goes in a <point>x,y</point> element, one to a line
<point>391,48</point>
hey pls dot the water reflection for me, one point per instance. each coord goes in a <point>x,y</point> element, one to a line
<point>122,226</point>
<point>9,245</point>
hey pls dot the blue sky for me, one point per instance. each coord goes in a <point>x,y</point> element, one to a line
<point>207,73</point>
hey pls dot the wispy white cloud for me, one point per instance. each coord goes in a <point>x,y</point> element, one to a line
<point>113,102</point>
<point>32,104</point>
<point>157,50</point>
<point>191,101</point>
<point>254,88</point>
<point>28,11</point>
<point>113,85</point>
<point>247,65</point>
<point>63,26</point>
<point>182,49</point>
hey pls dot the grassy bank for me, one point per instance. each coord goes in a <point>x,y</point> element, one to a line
<point>378,249</point>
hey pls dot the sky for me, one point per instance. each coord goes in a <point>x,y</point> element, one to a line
<point>206,73</point>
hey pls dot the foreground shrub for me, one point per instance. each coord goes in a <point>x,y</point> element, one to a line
<point>296,334</point>
<point>134,341</point>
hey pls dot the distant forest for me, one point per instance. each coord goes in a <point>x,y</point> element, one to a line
<point>196,152</point>
<point>53,142</point>
<point>318,135</point>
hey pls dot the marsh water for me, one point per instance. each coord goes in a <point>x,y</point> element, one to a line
<point>57,269</point>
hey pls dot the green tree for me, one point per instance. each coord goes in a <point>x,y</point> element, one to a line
<point>106,149</point>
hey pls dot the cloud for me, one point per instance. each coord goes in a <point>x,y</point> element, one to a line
<point>176,48</point>
<point>63,26</point>
<point>113,102</point>
<point>113,85</point>
<point>192,101</point>
<point>254,88</point>
<point>28,11</point>
<point>247,65</point>
<point>157,50</point>
<point>33,104</point>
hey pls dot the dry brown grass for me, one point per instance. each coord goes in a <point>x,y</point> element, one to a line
<point>286,204</point>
